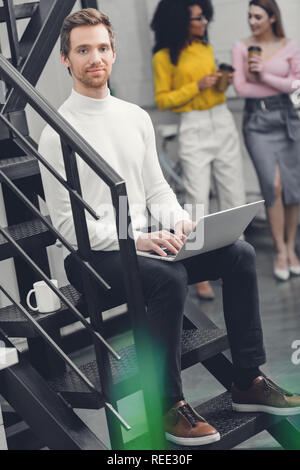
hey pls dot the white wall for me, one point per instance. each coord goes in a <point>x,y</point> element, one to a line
<point>230,24</point>
<point>7,271</point>
<point>55,85</point>
<point>132,73</point>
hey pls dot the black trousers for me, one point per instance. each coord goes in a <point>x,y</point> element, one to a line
<point>165,288</point>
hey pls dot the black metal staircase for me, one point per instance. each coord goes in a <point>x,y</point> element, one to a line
<point>46,385</point>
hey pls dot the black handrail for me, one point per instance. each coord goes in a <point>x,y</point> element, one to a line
<point>12,31</point>
<point>49,340</point>
<point>61,353</point>
<point>36,212</point>
<point>72,142</point>
<point>64,299</point>
<point>59,124</point>
<point>21,11</point>
<point>27,146</point>
<point>37,42</point>
<point>89,4</point>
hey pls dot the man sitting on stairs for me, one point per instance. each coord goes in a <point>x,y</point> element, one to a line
<point>123,135</point>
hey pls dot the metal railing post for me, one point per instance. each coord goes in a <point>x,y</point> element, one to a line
<point>137,310</point>
<point>65,358</point>
<point>90,4</point>
<point>91,290</point>
<point>37,43</point>
<point>12,32</point>
<point>72,142</point>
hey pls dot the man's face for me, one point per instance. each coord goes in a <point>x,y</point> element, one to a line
<point>90,58</point>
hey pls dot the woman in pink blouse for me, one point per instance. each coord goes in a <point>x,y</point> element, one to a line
<point>271,125</point>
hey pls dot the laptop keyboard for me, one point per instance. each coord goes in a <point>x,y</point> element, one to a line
<point>168,252</point>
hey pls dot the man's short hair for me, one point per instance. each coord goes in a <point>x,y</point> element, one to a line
<point>86,17</point>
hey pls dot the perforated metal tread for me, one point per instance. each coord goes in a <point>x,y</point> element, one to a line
<point>233,427</point>
<point>30,234</point>
<point>74,390</point>
<point>15,324</point>
<point>196,344</point>
<point>19,167</point>
<point>125,371</point>
<point>201,344</point>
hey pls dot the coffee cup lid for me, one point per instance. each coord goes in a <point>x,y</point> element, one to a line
<point>226,67</point>
<point>254,48</point>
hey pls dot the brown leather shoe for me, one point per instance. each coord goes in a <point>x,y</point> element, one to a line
<point>205,291</point>
<point>266,396</point>
<point>185,427</point>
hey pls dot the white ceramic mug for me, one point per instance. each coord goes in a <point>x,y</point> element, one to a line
<point>46,300</point>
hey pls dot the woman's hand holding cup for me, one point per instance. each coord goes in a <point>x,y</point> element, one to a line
<point>255,62</point>
<point>226,72</point>
<point>208,81</point>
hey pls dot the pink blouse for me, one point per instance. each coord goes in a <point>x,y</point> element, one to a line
<point>279,75</point>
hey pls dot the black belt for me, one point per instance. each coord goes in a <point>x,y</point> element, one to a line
<point>268,104</point>
<point>271,103</point>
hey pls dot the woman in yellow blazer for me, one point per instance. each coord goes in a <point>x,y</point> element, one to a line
<point>185,76</point>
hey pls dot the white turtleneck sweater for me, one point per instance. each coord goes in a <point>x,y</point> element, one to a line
<point>122,133</point>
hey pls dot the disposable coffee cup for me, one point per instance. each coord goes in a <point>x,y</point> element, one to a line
<point>252,51</point>
<point>46,299</point>
<point>223,81</point>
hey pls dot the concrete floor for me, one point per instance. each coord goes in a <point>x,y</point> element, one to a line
<point>280,312</point>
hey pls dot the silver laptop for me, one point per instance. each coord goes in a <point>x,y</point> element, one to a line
<point>212,232</point>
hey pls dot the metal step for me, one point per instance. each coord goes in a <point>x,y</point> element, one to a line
<point>16,325</point>
<point>19,167</point>
<point>20,437</point>
<point>197,345</point>
<point>30,234</point>
<point>49,417</point>
<point>233,427</point>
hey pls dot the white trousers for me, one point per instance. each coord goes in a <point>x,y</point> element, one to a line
<point>209,146</point>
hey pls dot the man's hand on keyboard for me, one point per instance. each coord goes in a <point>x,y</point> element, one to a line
<point>184,228</point>
<point>159,242</point>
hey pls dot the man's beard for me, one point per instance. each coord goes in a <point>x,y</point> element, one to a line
<point>91,82</point>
